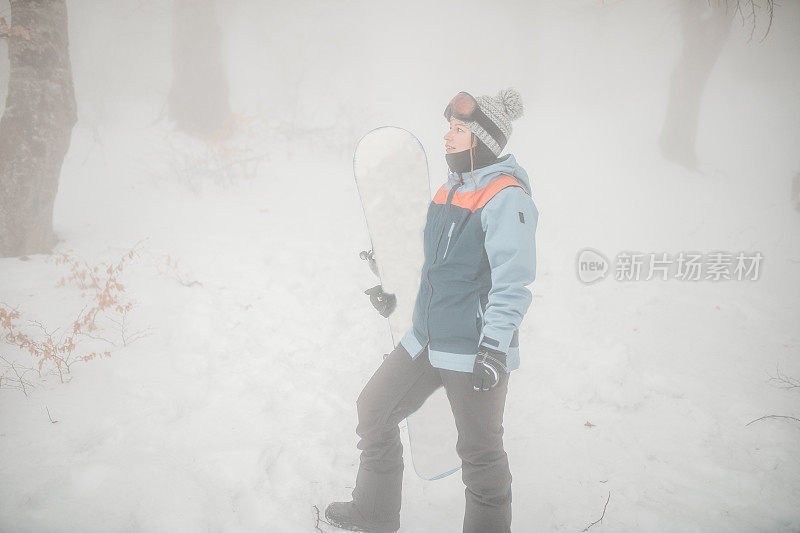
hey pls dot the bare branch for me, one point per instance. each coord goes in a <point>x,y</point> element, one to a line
<point>99,338</point>
<point>751,6</point>
<point>316,526</point>
<point>784,381</point>
<point>601,517</point>
<point>18,378</point>
<point>773,416</point>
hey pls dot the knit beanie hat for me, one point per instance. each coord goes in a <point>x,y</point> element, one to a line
<point>500,110</point>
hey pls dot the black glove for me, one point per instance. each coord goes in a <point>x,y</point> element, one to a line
<point>384,302</point>
<point>487,370</point>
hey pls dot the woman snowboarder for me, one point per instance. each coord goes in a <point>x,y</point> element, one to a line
<point>480,254</point>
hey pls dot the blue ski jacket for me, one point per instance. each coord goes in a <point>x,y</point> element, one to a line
<point>480,254</point>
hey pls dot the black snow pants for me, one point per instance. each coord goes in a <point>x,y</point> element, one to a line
<point>397,389</point>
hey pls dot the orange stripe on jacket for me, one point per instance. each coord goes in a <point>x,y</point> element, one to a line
<point>474,200</point>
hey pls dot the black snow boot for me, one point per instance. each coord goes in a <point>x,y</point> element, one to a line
<point>344,515</point>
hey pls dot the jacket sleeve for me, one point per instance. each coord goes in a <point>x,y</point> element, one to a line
<point>509,222</point>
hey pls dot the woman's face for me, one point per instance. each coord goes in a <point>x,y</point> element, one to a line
<point>458,138</point>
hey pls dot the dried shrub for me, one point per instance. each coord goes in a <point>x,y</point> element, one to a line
<point>231,154</point>
<point>57,349</point>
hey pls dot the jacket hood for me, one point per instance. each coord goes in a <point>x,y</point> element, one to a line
<point>506,165</point>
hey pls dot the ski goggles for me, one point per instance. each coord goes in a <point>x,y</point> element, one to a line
<point>463,106</point>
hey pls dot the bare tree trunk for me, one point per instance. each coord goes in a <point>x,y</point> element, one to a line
<point>198,99</point>
<point>705,27</point>
<point>36,126</point>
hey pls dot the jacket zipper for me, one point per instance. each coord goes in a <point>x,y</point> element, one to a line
<point>435,257</point>
<point>449,236</point>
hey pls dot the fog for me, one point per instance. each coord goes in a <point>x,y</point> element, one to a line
<point>212,162</point>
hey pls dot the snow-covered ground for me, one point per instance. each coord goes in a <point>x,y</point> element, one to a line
<point>236,412</point>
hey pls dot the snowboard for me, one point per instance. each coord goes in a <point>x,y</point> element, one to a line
<point>391,173</point>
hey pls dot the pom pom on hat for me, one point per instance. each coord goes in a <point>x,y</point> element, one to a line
<point>511,101</point>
